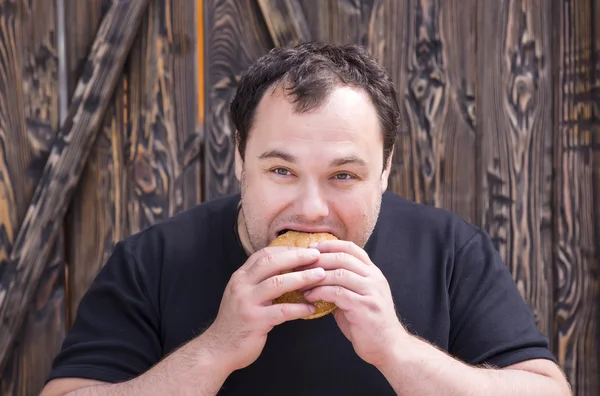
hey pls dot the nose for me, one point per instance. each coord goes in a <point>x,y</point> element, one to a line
<point>313,206</point>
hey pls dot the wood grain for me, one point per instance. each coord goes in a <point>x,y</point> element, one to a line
<point>89,219</point>
<point>235,37</point>
<point>163,144</point>
<point>577,250</point>
<point>29,52</point>
<point>339,21</point>
<point>432,62</point>
<point>514,120</point>
<point>69,151</point>
<point>285,21</point>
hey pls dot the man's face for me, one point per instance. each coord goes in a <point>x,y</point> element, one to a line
<point>316,171</point>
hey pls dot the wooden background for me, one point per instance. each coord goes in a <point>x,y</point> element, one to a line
<point>502,126</point>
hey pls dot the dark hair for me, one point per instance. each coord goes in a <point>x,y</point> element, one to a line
<point>309,72</point>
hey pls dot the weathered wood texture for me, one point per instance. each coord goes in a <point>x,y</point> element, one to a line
<point>145,163</point>
<point>86,225</point>
<point>28,125</point>
<point>285,21</point>
<point>343,21</point>
<point>236,36</point>
<point>577,191</point>
<point>43,219</point>
<point>501,125</point>
<point>514,122</point>
<point>164,140</point>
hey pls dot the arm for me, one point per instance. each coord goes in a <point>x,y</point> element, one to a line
<point>491,326</point>
<point>115,338</point>
<point>418,368</point>
<point>194,369</point>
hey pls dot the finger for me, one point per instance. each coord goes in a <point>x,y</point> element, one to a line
<point>341,260</point>
<point>262,253</point>
<point>330,246</point>
<point>278,313</point>
<point>277,285</point>
<point>346,279</point>
<point>276,262</point>
<point>338,295</point>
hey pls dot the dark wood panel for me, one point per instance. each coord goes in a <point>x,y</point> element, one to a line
<point>27,130</point>
<point>339,21</point>
<point>285,21</point>
<point>43,218</point>
<point>514,120</point>
<point>432,61</point>
<point>235,37</point>
<point>82,20</point>
<point>577,250</point>
<point>164,140</point>
<point>88,221</point>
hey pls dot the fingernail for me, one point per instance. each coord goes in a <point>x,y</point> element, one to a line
<point>318,272</point>
<point>312,308</point>
<point>306,293</point>
<point>313,253</point>
<point>313,244</point>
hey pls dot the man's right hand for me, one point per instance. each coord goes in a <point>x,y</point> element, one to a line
<point>246,314</point>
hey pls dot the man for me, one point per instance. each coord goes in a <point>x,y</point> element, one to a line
<point>425,304</point>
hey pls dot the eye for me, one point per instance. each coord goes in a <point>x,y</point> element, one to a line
<point>344,176</point>
<point>281,171</point>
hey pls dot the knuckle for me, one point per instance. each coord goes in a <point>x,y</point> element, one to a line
<point>341,256</point>
<point>285,310</point>
<point>339,291</point>
<point>236,285</point>
<point>277,281</point>
<point>339,273</point>
<point>307,275</point>
<point>246,315</point>
<point>269,259</point>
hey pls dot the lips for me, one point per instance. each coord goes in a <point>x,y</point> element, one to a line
<point>305,229</point>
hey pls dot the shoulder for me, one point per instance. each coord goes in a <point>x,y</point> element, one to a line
<point>178,241</point>
<point>187,228</point>
<point>424,224</point>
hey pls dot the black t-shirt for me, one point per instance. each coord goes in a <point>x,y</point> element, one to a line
<point>163,286</point>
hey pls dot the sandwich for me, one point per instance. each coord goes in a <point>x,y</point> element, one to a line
<point>303,239</point>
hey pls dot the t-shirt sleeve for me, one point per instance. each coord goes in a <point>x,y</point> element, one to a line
<point>491,322</point>
<point>115,335</point>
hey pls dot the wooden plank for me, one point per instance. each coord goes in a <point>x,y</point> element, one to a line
<point>339,21</point>
<point>235,37</point>
<point>39,230</point>
<point>30,52</point>
<point>577,246</point>
<point>164,141</point>
<point>285,21</point>
<point>514,121</point>
<point>432,62</point>
<point>92,219</point>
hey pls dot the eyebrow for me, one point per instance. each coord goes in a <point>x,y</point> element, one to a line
<point>277,154</point>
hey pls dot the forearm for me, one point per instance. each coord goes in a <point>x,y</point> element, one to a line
<point>418,368</point>
<point>194,369</point>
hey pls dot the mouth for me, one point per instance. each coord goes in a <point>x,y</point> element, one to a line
<point>307,230</point>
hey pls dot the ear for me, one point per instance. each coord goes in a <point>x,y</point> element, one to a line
<point>239,162</point>
<point>386,172</point>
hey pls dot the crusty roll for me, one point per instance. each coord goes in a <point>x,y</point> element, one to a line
<point>303,239</point>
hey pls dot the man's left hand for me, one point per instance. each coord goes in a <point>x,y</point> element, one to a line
<point>366,314</point>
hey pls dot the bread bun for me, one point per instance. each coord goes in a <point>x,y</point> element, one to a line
<point>303,239</point>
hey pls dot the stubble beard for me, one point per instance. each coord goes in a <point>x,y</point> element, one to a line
<point>259,239</point>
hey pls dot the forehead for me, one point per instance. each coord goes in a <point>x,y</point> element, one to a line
<point>346,117</point>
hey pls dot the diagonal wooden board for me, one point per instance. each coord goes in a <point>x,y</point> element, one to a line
<point>65,164</point>
<point>285,21</point>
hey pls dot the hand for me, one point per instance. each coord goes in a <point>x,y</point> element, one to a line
<point>366,314</point>
<point>246,314</point>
